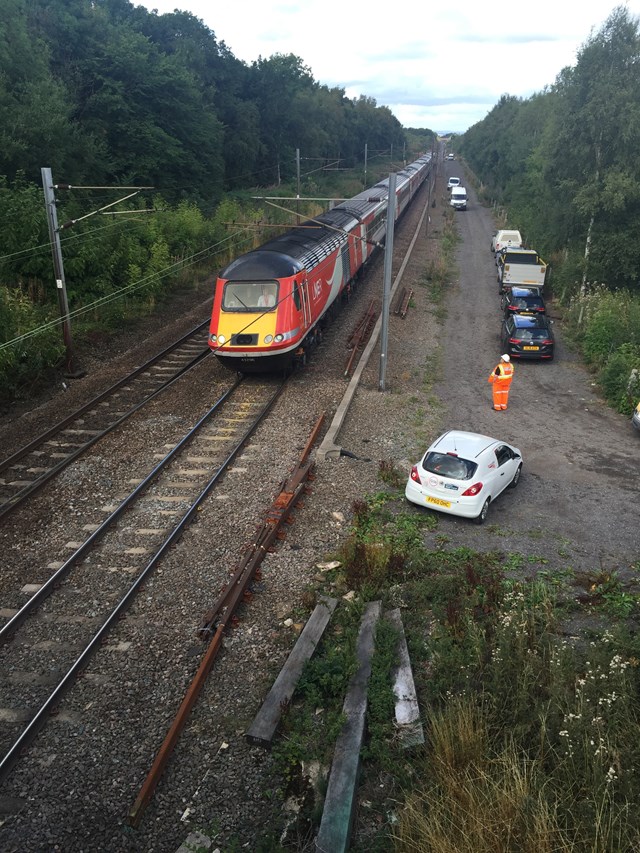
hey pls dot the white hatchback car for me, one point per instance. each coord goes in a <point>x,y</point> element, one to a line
<point>462,473</point>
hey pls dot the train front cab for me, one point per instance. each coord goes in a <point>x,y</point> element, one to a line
<point>257,325</point>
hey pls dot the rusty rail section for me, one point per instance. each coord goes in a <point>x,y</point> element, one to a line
<point>362,332</point>
<point>223,613</point>
<point>402,302</point>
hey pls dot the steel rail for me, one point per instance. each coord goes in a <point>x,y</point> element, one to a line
<point>362,333</point>
<point>19,497</point>
<point>47,588</point>
<point>65,684</point>
<point>224,611</point>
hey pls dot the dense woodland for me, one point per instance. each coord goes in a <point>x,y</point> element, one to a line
<point>110,96</point>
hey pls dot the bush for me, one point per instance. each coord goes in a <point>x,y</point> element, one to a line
<point>24,364</point>
<point>621,391</point>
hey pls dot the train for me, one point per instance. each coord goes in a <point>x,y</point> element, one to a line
<point>271,304</point>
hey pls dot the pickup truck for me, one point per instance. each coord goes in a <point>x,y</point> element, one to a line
<point>504,238</point>
<point>520,267</point>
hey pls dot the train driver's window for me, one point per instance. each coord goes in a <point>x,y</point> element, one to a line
<point>296,296</point>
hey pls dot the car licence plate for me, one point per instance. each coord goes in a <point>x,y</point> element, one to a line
<point>534,348</point>
<point>438,501</point>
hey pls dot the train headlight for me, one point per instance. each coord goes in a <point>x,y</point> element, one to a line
<point>213,339</point>
<point>279,338</point>
<point>268,339</point>
<point>221,339</point>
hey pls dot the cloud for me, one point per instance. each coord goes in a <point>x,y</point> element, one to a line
<point>444,64</point>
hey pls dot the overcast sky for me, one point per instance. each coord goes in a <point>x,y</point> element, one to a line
<point>436,65</point>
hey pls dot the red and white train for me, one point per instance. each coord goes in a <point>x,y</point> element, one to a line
<point>269,304</point>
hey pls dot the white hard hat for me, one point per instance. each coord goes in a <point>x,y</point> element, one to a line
<point>505,357</point>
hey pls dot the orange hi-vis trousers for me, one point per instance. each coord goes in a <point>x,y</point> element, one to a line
<point>501,394</point>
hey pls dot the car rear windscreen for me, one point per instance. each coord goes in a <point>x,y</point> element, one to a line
<point>449,466</point>
<point>531,334</point>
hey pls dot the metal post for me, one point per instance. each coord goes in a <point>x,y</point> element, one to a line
<point>366,146</point>
<point>298,186</point>
<point>386,287</point>
<point>71,371</point>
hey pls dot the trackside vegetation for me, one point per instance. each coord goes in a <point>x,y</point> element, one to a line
<point>529,701</point>
<point>563,166</point>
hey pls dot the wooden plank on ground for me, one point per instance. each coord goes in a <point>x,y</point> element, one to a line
<point>266,721</point>
<point>407,710</point>
<point>337,817</point>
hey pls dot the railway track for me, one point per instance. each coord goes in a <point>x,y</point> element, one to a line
<point>27,470</point>
<point>66,620</point>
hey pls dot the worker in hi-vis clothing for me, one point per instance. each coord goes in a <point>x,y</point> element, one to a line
<point>500,378</point>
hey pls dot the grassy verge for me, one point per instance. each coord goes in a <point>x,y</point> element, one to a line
<point>528,689</point>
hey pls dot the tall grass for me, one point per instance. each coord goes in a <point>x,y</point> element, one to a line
<point>533,738</point>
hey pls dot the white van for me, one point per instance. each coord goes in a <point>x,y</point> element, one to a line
<point>458,199</point>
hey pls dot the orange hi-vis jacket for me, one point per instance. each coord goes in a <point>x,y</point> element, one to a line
<point>502,373</point>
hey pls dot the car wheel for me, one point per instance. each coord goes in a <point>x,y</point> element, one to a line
<point>480,519</point>
<point>516,477</point>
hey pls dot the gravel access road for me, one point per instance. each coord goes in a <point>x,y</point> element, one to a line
<point>578,494</point>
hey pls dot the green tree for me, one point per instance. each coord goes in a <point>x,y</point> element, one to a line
<point>594,157</point>
<point>277,85</point>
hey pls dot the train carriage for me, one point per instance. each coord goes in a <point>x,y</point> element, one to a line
<point>269,303</point>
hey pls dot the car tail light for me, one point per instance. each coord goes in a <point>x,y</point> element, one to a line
<point>472,490</point>
<point>515,341</point>
<point>415,476</point>
<point>547,343</point>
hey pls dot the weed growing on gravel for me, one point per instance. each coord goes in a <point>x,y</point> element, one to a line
<point>389,473</point>
<point>495,529</point>
<point>605,591</point>
<point>514,563</point>
<point>536,533</point>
